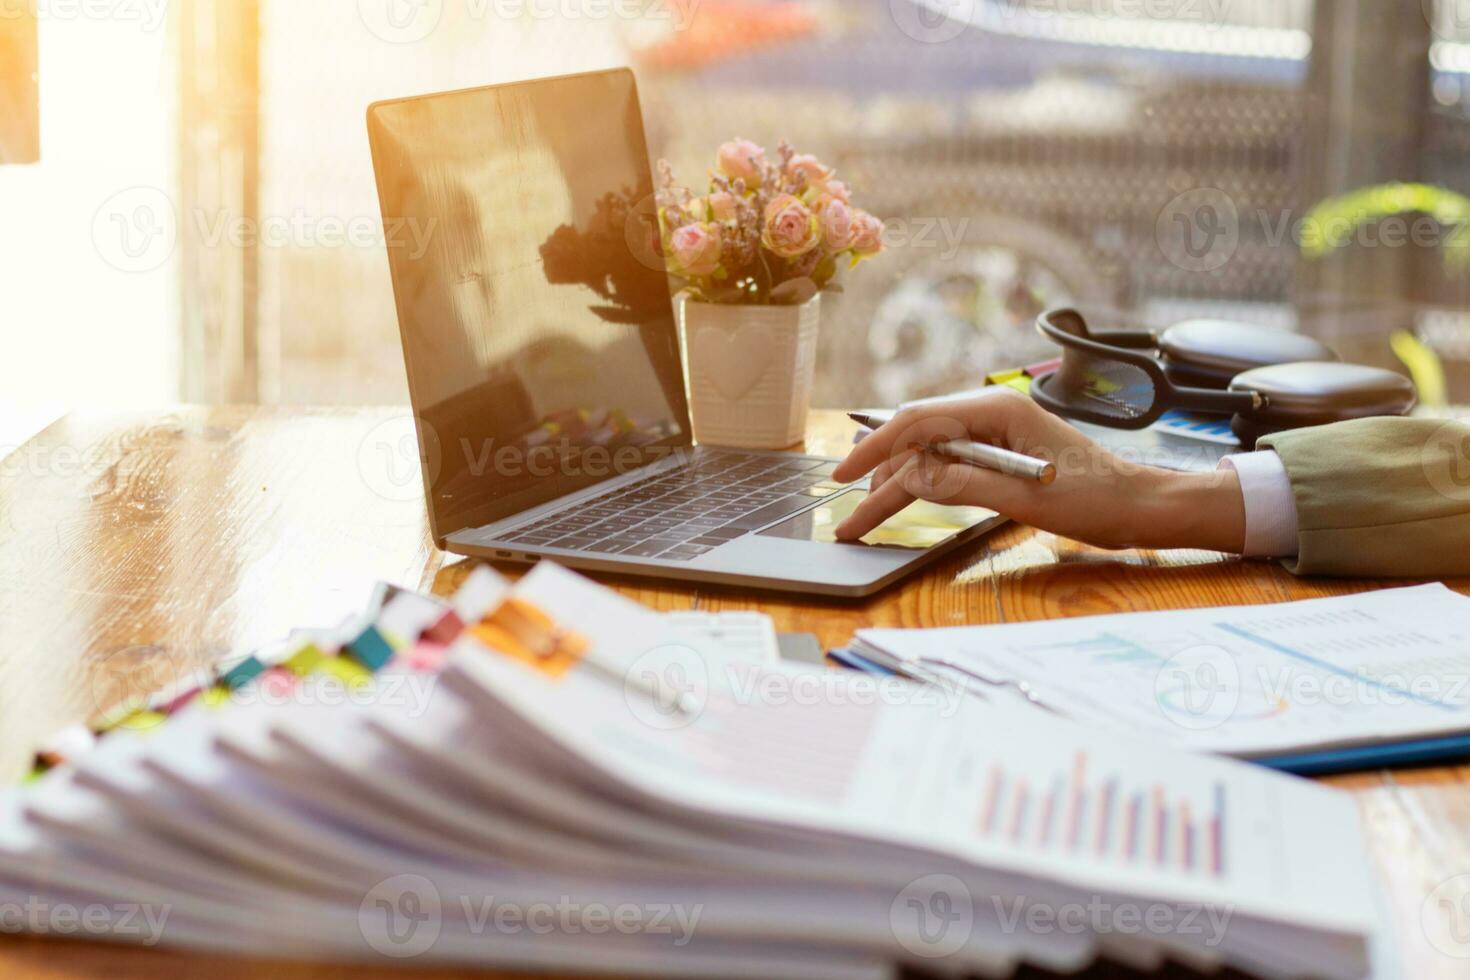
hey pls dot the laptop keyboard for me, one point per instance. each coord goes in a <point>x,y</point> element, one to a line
<point>679,516</point>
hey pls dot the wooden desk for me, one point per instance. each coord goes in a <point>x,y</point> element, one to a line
<point>133,547</point>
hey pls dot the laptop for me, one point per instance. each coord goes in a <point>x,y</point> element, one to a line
<point>544,365</point>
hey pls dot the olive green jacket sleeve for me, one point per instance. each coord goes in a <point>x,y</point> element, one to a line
<point>1380,497</point>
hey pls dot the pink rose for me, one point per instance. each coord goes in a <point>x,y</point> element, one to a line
<point>837,225</point>
<point>837,189</point>
<point>722,206</point>
<point>815,171</point>
<point>743,160</point>
<point>696,249</point>
<point>791,230</point>
<point>867,234</point>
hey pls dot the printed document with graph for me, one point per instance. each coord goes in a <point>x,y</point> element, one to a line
<point>543,776</point>
<point>1249,681</point>
<point>900,790</point>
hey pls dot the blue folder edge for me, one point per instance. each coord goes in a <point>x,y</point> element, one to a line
<point>1320,762</point>
<point>852,661</point>
<point>1415,752</point>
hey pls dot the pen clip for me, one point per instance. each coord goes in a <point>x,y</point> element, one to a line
<point>1023,688</point>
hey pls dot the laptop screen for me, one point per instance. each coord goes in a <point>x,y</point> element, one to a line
<point>538,328</point>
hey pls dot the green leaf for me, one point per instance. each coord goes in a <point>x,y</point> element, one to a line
<point>825,271</point>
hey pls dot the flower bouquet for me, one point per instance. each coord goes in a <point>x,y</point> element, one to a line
<point>765,233</point>
<point>752,256</point>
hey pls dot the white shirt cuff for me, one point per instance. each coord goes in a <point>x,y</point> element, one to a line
<point>1270,509</point>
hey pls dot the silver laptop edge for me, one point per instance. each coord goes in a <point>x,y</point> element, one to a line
<point>504,340</point>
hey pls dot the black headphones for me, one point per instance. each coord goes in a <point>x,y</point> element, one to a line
<point>1268,380</point>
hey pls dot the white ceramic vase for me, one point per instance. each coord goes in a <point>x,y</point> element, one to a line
<point>750,370</point>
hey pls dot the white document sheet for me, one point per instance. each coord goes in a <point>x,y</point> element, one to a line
<point>994,789</point>
<point>1246,681</point>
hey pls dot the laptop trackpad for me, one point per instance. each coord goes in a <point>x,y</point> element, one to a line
<point>920,525</point>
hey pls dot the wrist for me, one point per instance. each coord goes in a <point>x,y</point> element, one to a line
<point>1194,510</point>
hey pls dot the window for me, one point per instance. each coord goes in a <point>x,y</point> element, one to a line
<point>88,306</point>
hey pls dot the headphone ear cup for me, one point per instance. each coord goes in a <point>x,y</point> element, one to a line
<point>1210,353</point>
<point>1316,393</point>
<point>1249,431</point>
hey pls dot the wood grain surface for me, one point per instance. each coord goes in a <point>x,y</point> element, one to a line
<point>133,547</point>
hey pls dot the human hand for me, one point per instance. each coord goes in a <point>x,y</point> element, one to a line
<point>1098,497</point>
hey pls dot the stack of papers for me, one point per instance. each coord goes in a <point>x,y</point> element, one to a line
<point>536,777</point>
<point>1320,679</point>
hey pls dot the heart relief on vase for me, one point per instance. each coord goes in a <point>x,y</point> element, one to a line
<point>733,361</point>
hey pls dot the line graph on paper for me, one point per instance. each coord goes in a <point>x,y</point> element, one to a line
<point>1158,682</point>
<point>1251,681</point>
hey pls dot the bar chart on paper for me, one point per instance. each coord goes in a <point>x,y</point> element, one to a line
<point>1093,815</point>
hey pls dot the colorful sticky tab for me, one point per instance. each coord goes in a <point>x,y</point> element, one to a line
<point>277,682</point>
<point>446,630</point>
<point>1020,378</point>
<point>425,658</point>
<point>178,703</point>
<point>1004,377</point>
<point>48,760</point>
<point>524,631</point>
<point>371,650</point>
<point>1043,367</point>
<point>305,661</point>
<point>349,672</point>
<point>242,673</point>
<point>392,632</point>
<point>141,720</point>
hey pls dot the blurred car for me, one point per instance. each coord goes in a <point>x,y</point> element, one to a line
<point>1026,158</point>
